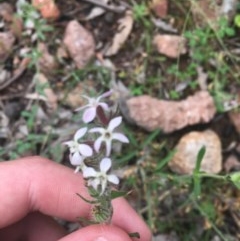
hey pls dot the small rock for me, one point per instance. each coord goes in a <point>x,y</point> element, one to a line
<point>6,11</point>
<point>231,163</point>
<point>47,8</point>
<point>170,45</point>
<point>7,40</point>
<point>151,113</point>
<point>184,160</point>
<point>80,43</point>
<point>160,8</point>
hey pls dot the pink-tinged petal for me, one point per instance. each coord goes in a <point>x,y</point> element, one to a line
<point>76,159</point>
<point>108,147</point>
<point>104,106</point>
<point>104,95</point>
<point>105,164</point>
<point>113,179</point>
<point>97,143</point>
<point>120,137</point>
<point>82,107</point>
<point>89,172</point>
<point>114,123</point>
<point>80,133</point>
<point>89,114</point>
<point>97,129</point>
<point>85,150</point>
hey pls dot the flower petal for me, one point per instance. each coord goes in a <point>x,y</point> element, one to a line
<point>105,164</point>
<point>76,159</point>
<point>89,172</point>
<point>108,146</point>
<point>104,105</point>
<point>114,123</point>
<point>104,185</point>
<point>89,114</point>
<point>85,150</point>
<point>104,95</point>
<point>68,143</point>
<point>80,133</point>
<point>113,179</point>
<point>97,129</point>
<point>97,143</point>
<point>94,183</point>
<point>120,137</point>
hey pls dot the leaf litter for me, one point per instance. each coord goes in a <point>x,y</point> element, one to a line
<point>113,48</point>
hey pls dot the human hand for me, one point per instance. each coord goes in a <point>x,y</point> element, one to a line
<point>33,189</point>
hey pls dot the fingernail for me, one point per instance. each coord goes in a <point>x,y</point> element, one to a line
<point>101,239</point>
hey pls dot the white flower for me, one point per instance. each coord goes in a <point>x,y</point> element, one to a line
<point>91,108</point>
<point>108,135</point>
<point>78,151</point>
<point>100,178</point>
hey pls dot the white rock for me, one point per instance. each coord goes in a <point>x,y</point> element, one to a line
<point>184,160</point>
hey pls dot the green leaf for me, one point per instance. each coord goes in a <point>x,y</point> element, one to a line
<point>237,20</point>
<point>235,179</point>
<point>165,160</point>
<point>116,194</point>
<point>196,178</point>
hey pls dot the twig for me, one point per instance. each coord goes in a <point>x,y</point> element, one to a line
<point>113,8</point>
<point>17,73</point>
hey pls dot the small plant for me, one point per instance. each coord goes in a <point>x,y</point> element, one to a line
<point>34,25</point>
<point>91,155</point>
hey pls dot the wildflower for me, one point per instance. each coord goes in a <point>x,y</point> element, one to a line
<point>91,108</point>
<point>100,178</point>
<point>108,135</point>
<point>78,151</point>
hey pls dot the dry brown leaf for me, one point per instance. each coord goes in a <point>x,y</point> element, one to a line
<point>122,34</point>
<point>151,113</point>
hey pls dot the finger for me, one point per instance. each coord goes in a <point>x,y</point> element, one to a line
<point>37,184</point>
<point>34,227</point>
<point>98,233</point>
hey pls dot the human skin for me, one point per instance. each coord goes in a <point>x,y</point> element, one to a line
<point>34,189</point>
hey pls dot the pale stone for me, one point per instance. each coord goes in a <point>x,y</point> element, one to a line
<point>170,45</point>
<point>151,113</point>
<point>184,160</point>
<point>79,43</point>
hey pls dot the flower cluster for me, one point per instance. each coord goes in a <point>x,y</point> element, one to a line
<point>90,148</point>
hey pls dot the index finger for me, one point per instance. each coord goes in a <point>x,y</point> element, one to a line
<point>37,184</point>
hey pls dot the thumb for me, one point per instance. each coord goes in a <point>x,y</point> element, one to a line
<point>99,232</point>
